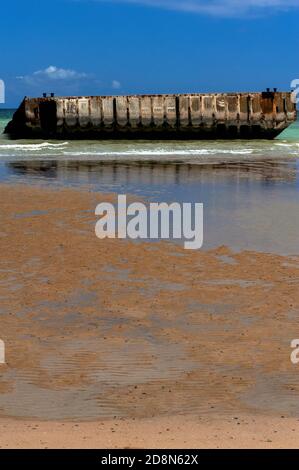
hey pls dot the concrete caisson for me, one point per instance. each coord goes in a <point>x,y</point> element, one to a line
<point>186,116</point>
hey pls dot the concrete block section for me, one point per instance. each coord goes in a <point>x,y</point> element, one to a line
<point>170,111</point>
<point>71,112</point>
<point>233,109</point>
<point>256,109</point>
<point>108,112</point>
<point>121,111</point>
<point>280,108</point>
<point>184,111</point>
<point>134,111</point>
<point>96,111</point>
<point>209,110</point>
<point>60,114</point>
<point>146,110</point>
<point>158,110</point>
<point>195,107</point>
<point>221,109</point>
<point>267,105</point>
<point>83,111</point>
<point>32,112</point>
<point>244,101</point>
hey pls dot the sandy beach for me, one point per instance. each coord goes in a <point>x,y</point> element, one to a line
<point>179,432</point>
<point>120,344</point>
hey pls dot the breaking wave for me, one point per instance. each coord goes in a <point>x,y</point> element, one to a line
<point>161,152</point>
<point>33,147</point>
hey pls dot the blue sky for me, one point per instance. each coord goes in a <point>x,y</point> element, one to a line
<point>147,46</point>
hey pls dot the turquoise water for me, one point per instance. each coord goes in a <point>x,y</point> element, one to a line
<point>5,116</point>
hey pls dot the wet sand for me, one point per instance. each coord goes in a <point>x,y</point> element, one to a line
<point>120,344</point>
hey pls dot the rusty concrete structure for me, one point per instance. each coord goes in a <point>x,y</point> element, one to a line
<point>186,116</point>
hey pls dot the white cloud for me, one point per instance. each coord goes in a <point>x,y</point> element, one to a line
<point>52,73</point>
<point>218,7</point>
<point>56,73</point>
<point>116,85</point>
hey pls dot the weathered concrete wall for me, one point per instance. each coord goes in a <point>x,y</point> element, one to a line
<point>196,116</point>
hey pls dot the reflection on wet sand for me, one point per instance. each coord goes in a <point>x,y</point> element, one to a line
<point>155,173</point>
<point>249,205</point>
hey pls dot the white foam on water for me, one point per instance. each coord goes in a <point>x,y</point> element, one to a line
<point>285,144</point>
<point>161,152</point>
<point>291,149</point>
<point>33,147</point>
